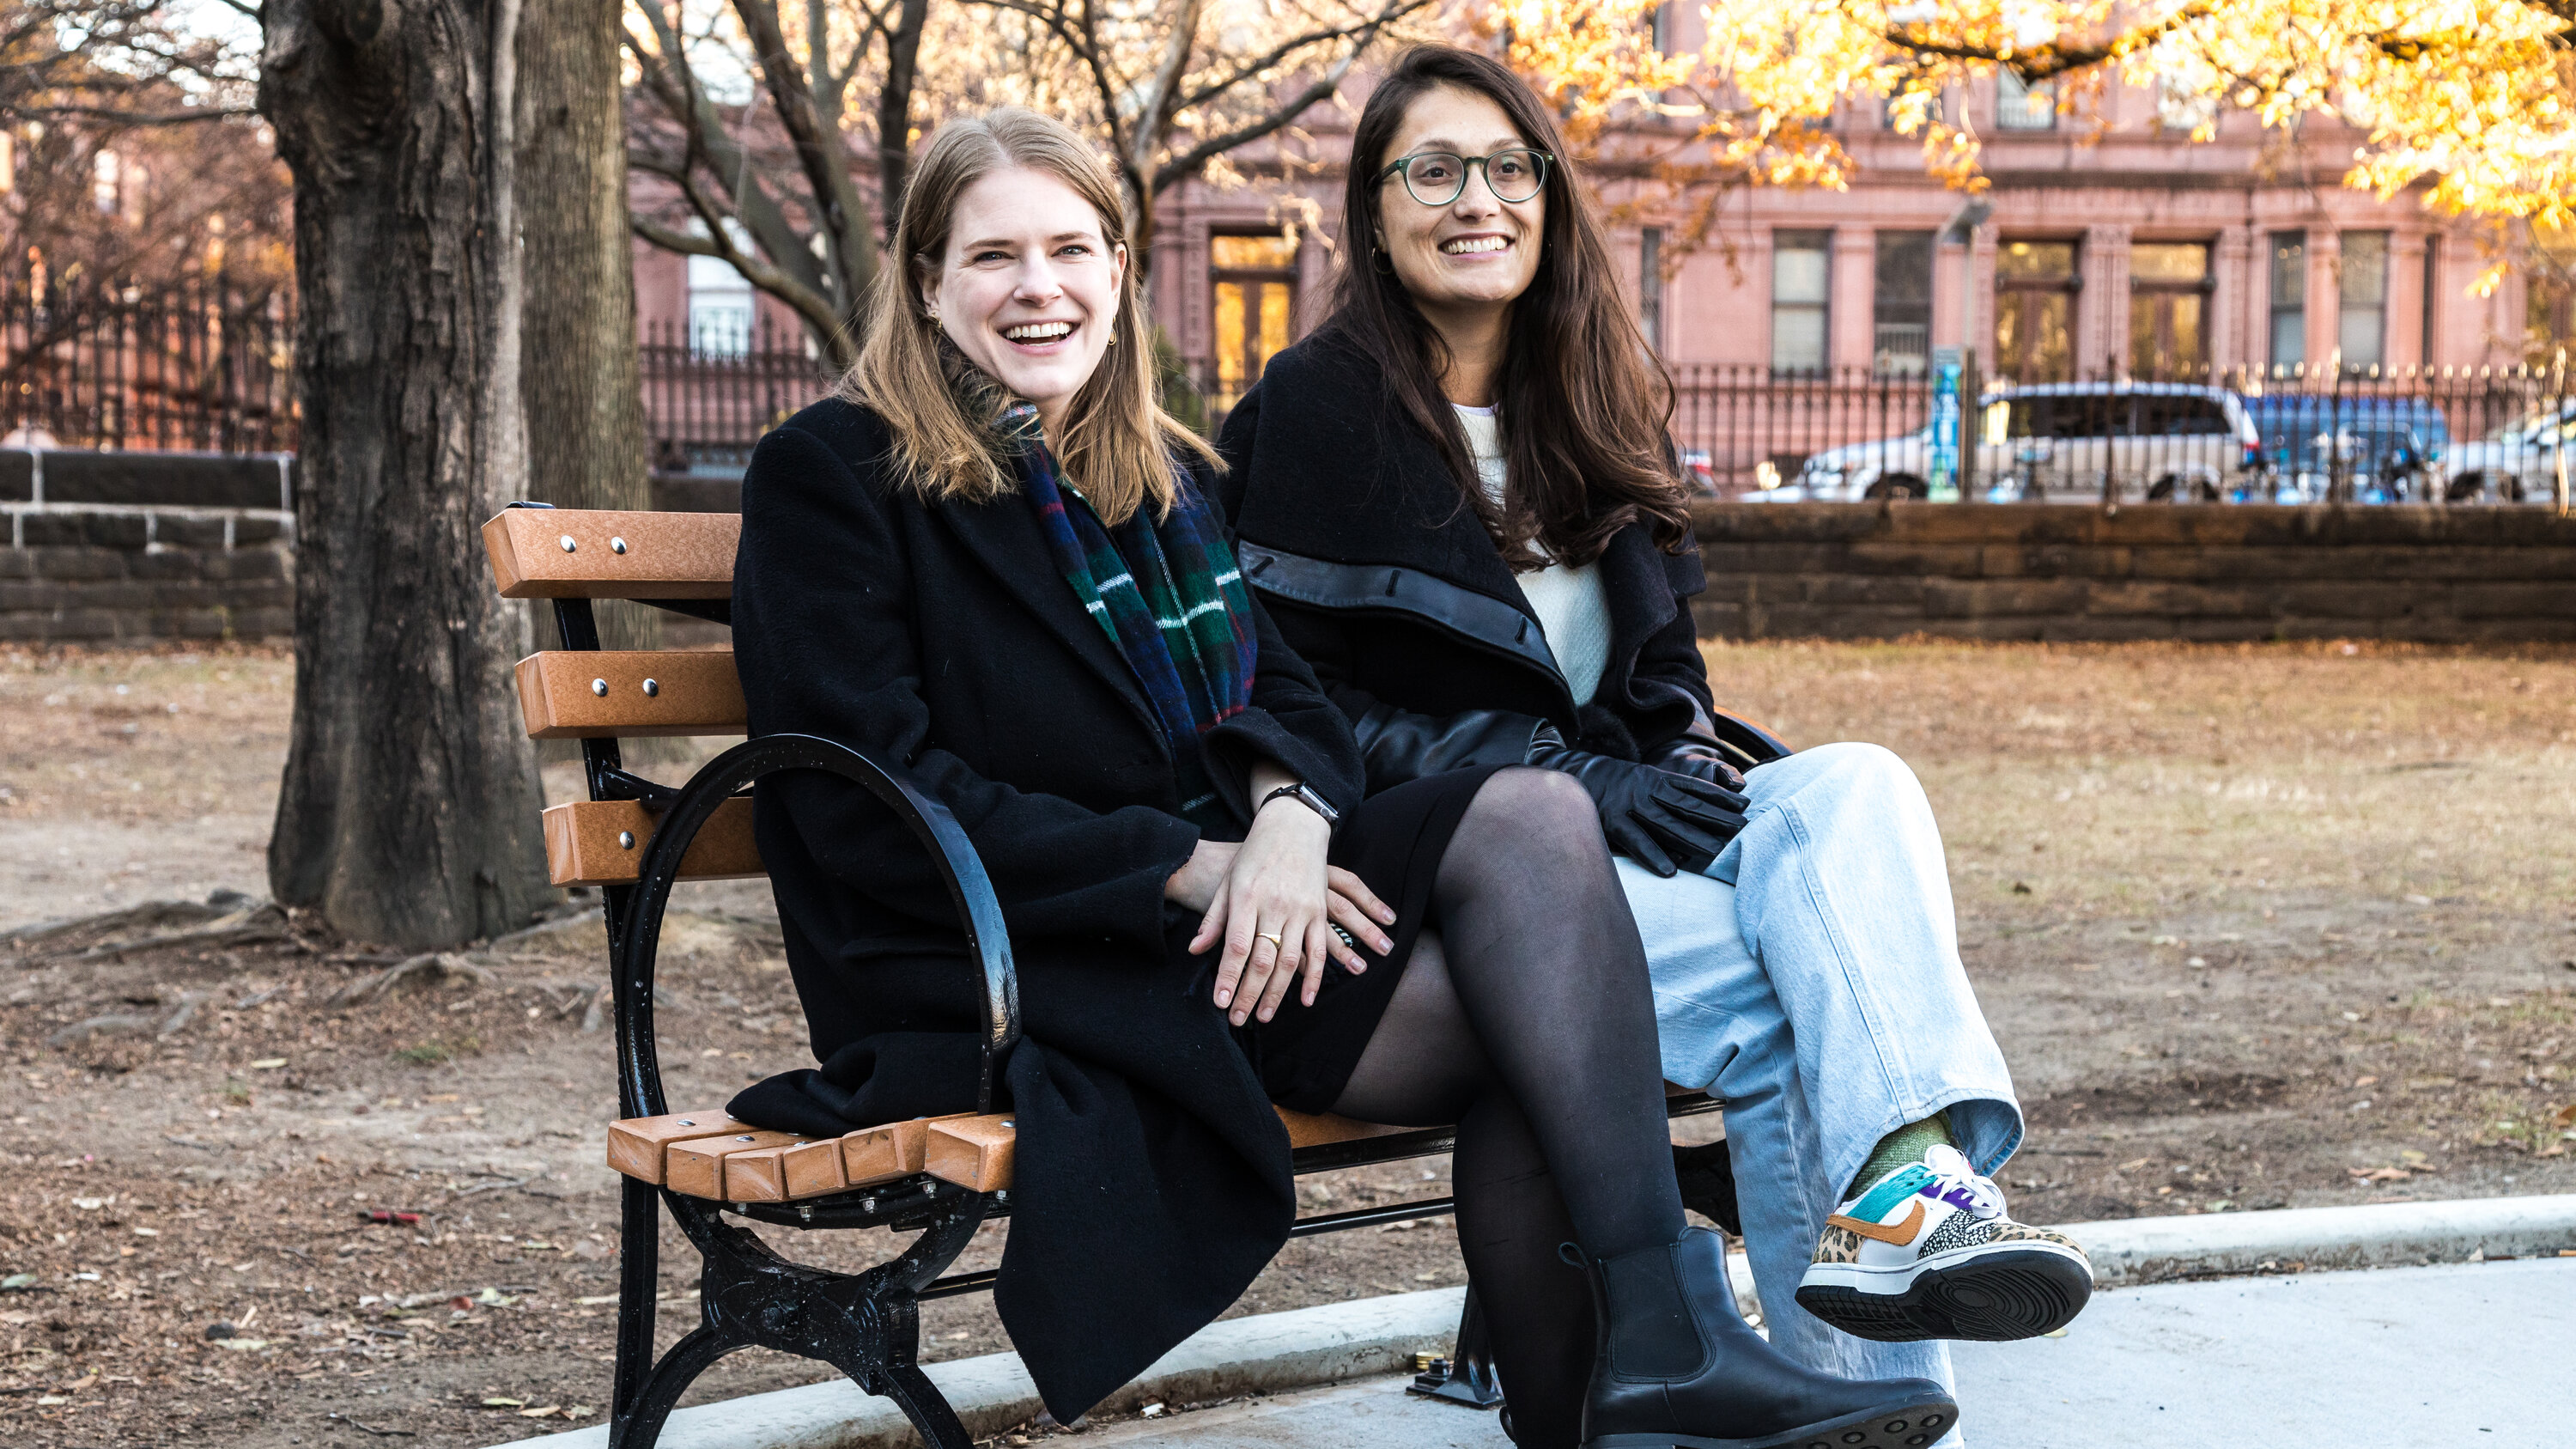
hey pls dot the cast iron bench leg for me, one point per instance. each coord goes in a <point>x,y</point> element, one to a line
<point>1470,1378</point>
<point>639,1251</point>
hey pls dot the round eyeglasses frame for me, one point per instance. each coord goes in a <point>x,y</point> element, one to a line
<point>1402,166</point>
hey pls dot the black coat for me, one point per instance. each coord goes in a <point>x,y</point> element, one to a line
<point>1354,533</point>
<point>1152,1177</point>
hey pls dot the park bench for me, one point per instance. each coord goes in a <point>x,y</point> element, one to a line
<point>634,839</point>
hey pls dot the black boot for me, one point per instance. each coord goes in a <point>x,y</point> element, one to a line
<point>1706,1176</point>
<point>1679,1367</point>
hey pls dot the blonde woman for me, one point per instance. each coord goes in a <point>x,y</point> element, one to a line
<point>991,557</point>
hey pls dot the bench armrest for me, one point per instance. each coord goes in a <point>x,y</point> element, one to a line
<point>979,909</point>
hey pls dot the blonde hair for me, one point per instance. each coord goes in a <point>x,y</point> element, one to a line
<point>1117,444</point>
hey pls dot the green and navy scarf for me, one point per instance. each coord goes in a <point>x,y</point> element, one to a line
<point>1167,594</point>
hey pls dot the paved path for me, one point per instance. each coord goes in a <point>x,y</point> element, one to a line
<point>2407,1358</point>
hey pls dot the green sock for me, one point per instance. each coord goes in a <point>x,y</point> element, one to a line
<point>1906,1144</point>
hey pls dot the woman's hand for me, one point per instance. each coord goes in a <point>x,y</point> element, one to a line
<point>1274,907</point>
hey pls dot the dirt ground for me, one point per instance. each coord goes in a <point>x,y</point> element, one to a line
<point>2255,926</point>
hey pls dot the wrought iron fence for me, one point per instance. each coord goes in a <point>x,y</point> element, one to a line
<point>210,368</point>
<point>205,366</point>
<point>710,392</point>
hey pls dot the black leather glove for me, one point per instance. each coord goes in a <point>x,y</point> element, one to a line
<point>1687,756</point>
<point>1697,753</point>
<point>1660,819</point>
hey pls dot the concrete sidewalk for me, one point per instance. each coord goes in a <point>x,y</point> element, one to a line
<point>2406,1358</point>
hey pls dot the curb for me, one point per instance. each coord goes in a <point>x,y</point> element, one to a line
<point>1270,1352</point>
<point>2153,1250</point>
<point>1262,1353</point>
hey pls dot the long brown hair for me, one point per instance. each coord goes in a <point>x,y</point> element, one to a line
<point>1585,407</point>
<point>1117,443</point>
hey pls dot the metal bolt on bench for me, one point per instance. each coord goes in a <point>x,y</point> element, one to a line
<point>943,1176</point>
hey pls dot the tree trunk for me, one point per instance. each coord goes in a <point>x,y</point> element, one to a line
<point>408,813</point>
<point>581,389</point>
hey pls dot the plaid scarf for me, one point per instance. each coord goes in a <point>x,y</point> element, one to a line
<point>1168,594</point>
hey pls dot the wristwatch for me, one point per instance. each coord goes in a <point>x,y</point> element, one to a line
<point>1306,795</point>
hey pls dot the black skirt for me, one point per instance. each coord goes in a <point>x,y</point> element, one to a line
<point>1304,1055</point>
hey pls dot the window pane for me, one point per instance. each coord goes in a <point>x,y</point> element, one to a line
<point>2289,336</point>
<point>1904,274</point>
<point>1650,282</point>
<point>2360,336</point>
<point>1229,341</point>
<point>1274,323</point>
<point>2365,268</point>
<point>2168,261</point>
<point>2020,106</point>
<point>1252,253</point>
<point>2051,261</point>
<point>2289,269</point>
<point>1797,338</point>
<point>1798,272</point>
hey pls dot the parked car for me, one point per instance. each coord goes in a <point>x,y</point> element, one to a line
<point>2516,463</point>
<point>2076,440</point>
<point>2385,449</point>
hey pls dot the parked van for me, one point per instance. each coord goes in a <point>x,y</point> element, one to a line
<point>2079,441</point>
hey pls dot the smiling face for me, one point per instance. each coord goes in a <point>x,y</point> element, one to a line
<point>1477,254</point>
<point>1029,286</point>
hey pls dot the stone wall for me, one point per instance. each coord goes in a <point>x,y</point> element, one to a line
<point>87,575</point>
<point>104,547</point>
<point>2077,572</point>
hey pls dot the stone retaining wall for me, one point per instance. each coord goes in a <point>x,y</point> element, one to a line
<point>104,573</point>
<point>2078,572</point>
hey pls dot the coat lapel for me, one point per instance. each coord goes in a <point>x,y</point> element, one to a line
<point>1004,538</point>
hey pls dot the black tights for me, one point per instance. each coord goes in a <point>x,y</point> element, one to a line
<point>1528,1022</point>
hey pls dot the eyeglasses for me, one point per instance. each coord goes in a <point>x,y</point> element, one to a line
<point>1437,178</point>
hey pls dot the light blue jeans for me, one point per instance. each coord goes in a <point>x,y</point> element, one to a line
<point>1811,978</point>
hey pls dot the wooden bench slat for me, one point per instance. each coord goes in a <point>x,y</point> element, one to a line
<point>638,693</point>
<point>805,1168</point>
<point>737,1163</point>
<point>696,1167</point>
<point>639,1146</point>
<point>972,1152</point>
<point>664,555</point>
<point>601,842</point>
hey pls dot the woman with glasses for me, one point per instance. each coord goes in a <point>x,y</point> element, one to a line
<point>1459,501</point>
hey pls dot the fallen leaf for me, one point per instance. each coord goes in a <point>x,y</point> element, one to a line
<point>2564,1116</point>
<point>595,1302</point>
<point>76,1385</point>
<point>505,1403</point>
<point>2378,1174</point>
<point>2134,1163</point>
<point>579,1411</point>
<point>541,1411</point>
<point>17,1282</point>
<point>241,1344</point>
<point>89,1204</point>
<point>268,1064</point>
<point>2365,1081</point>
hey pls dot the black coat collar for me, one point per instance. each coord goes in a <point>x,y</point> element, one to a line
<point>1350,500</point>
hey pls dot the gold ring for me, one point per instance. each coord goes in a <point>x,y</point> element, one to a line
<point>1275,938</point>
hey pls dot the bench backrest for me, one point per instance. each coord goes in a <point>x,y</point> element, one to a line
<point>587,694</point>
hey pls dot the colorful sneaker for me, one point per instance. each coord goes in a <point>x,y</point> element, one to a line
<point>1926,1252</point>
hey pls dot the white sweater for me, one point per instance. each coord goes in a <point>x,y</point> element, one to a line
<point>1571,609</point>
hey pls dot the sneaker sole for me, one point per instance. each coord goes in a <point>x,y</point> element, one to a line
<point>1996,1295</point>
<point>1905,1426</point>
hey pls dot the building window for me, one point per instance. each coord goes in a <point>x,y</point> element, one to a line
<point>1899,105</point>
<point>2289,299</point>
<point>2168,310</point>
<point>2361,301</point>
<point>1901,304</point>
<point>2035,310</point>
<point>1801,272</point>
<point>720,308</point>
<point>1659,28</point>
<point>1256,293</point>
<point>1650,285</point>
<point>2022,105</point>
<point>2426,351</point>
